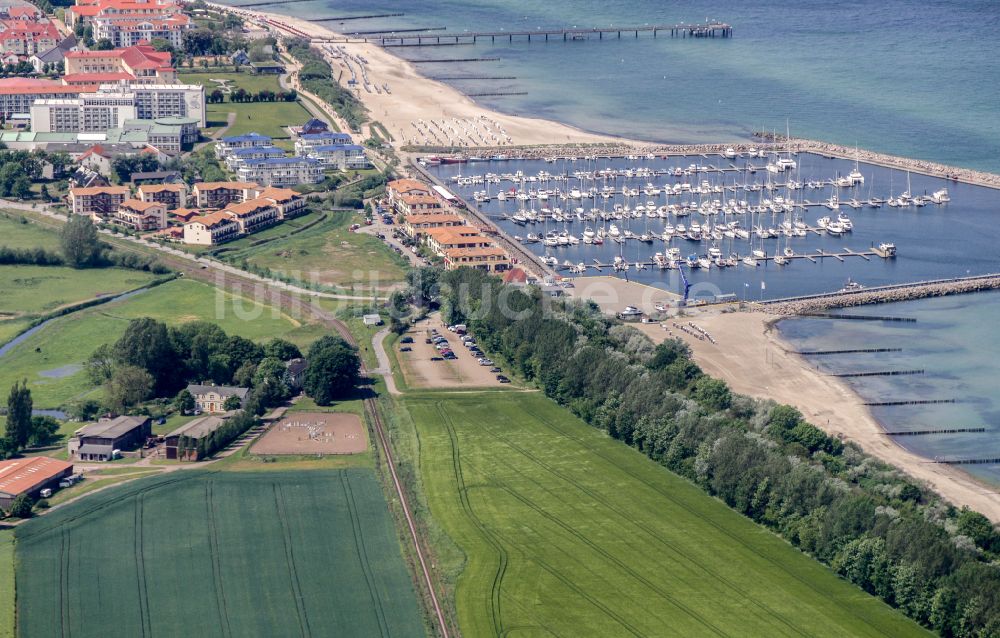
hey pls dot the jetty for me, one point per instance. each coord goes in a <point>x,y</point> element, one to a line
<point>883,294</point>
<point>573,34</point>
<point>936,431</point>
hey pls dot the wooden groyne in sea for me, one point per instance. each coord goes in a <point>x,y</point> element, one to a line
<point>812,304</point>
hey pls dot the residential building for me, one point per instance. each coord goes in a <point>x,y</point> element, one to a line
<point>413,204</point>
<point>341,156</point>
<point>142,216</point>
<point>184,215</point>
<point>189,126</point>
<point>30,475</point>
<point>295,372</point>
<point>416,224</point>
<point>172,196</point>
<point>441,239</point>
<point>54,57</point>
<point>100,201</point>
<point>489,258</point>
<point>211,229</point>
<point>115,104</point>
<point>183,443</point>
<point>98,441</point>
<point>305,143</point>
<point>154,101</point>
<point>211,398</point>
<point>253,215</point>
<point>315,125</point>
<point>130,30</point>
<point>18,94</point>
<point>221,194</point>
<point>140,64</point>
<point>87,10</point>
<point>399,187</point>
<point>250,140</point>
<point>28,37</point>
<point>288,202</point>
<point>281,171</point>
<point>168,138</point>
<point>237,156</point>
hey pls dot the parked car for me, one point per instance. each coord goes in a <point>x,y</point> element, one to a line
<point>502,379</point>
<point>486,362</point>
<point>406,349</point>
<point>495,369</point>
<point>427,340</point>
<point>437,358</point>
<point>406,340</point>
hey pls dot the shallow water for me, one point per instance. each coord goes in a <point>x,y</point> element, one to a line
<point>954,340</point>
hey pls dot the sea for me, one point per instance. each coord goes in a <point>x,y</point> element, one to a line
<point>916,79</point>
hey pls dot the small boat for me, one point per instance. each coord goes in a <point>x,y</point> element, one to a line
<point>851,286</point>
<point>781,260</point>
<point>750,261</point>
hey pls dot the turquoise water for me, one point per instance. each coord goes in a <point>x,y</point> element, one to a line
<point>919,79</point>
<point>954,340</point>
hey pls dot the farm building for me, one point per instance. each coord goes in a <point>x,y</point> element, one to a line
<point>97,441</point>
<point>210,398</point>
<point>30,476</point>
<point>182,443</point>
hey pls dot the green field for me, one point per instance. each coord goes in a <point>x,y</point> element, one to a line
<point>17,234</point>
<point>327,253</point>
<point>48,358</point>
<point>567,532</point>
<point>42,289</point>
<point>266,118</point>
<point>219,554</point>
<point>6,583</point>
<point>248,81</point>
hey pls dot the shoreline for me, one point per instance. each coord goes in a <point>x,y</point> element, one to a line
<point>753,359</point>
<point>828,403</point>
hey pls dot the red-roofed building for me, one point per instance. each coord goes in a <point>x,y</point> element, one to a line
<point>139,64</point>
<point>18,94</point>
<point>27,37</point>
<point>30,476</point>
<point>515,277</point>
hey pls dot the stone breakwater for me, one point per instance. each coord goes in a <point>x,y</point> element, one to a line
<point>768,143</point>
<point>887,294</point>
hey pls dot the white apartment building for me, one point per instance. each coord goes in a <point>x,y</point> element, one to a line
<point>113,104</point>
<point>281,171</point>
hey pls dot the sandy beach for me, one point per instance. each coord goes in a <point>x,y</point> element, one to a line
<point>753,360</point>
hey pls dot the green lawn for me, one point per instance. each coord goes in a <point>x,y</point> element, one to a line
<point>219,554</point>
<point>15,233</point>
<point>37,290</point>
<point>266,118</point>
<point>62,345</point>
<point>248,81</point>
<point>327,253</point>
<point>567,532</point>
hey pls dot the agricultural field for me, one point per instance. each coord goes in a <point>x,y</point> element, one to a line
<point>219,554</point>
<point>7,583</point>
<point>328,253</point>
<point>563,531</point>
<point>50,359</point>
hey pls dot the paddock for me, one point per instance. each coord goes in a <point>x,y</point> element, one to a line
<point>314,433</point>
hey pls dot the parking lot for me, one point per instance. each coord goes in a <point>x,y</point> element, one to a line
<point>422,371</point>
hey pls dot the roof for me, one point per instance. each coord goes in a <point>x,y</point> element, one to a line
<point>211,220</point>
<point>139,205</point>
<point>249,137</point>
<point>420,199</point>
<point>450,234</point>
<point>112,428</point>
<point>406,185</point>
<point>10,86</point>
<point>252,150</point>
<point>515,275</point>
<point>23,475</point>
<point>199,428</point>
<point>325,135</point>
<point>221,390</point>
<point>187,214</point>
<point>213,186</point>
<point>329,148</point>
<point>99,190</point>
<point>278,161</point>
<point>278,194</point>
<point>248,207</point>
<point>159,188</point>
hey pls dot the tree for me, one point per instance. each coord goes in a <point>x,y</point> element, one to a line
<point>232,402</point>
<point>21,188</point>
<point>100,365</point>
<point>128,386</point>
<point>80,246</point>
<point>331,371</point>
<point>146,344</point>
<point>281,349</point>
<point>184,402</point>
<point>103,45</point>
<point>43,430</point>
<point>19,406</point>
<point>269,382</point>
<point>21,507</point>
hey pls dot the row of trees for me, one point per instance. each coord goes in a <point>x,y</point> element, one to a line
<point>865,519</point>
<point>242,95</point>
<point>219,439</point>
<point>19,169</point>
<point>81,247</point>
<point>22,429</point>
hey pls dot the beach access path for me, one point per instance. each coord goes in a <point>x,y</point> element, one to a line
<point>750,357</point>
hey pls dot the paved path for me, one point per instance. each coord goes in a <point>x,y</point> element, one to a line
<point>384,364</point>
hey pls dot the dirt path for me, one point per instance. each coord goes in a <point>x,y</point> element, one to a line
<point>751,358</point>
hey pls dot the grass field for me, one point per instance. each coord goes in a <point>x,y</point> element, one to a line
<point>41,289</point>
<point>219,554</point>
<point>15,234</point>
<point>44,357</point>
<point>7,583</point>
<point>328,253</point>
<point>567,532</point>
<point>266,118</point>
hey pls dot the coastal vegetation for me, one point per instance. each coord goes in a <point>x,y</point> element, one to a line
<point>316,77</point>
<point>868,521</point>
<point>219,554</point>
